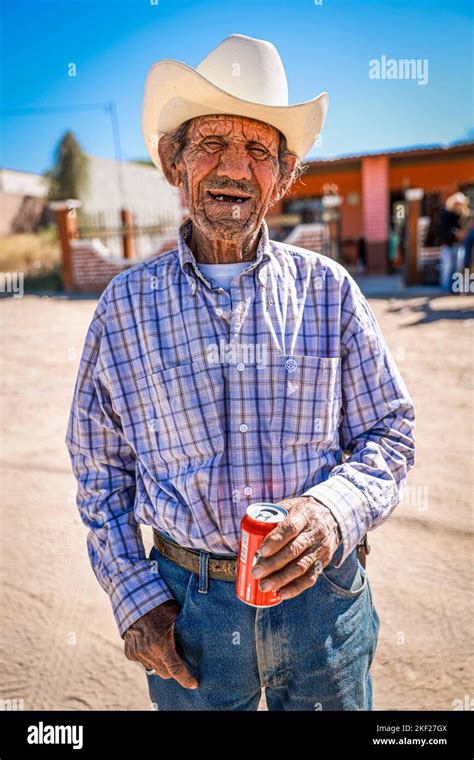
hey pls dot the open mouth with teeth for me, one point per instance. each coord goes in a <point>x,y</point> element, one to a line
<point>224,198</point>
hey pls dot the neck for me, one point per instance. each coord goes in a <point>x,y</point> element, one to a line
<point>218,251</point>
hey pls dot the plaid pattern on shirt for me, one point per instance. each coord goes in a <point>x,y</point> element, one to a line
<point>192,402</point>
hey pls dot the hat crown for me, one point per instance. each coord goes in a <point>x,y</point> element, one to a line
<point>247,68</point>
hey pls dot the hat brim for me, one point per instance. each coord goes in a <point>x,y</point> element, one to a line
<point>175,92</point>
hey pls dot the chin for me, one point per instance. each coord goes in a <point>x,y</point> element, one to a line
<point>226,229</point>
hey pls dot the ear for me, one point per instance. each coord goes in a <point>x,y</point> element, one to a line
<point>285,178</point>
<point>167,152</point>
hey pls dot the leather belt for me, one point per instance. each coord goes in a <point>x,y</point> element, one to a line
<point>219,568</point>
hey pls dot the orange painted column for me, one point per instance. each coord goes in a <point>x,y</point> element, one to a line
<point>127,238</point>
<point>67,231</point>
<point>375,210</point>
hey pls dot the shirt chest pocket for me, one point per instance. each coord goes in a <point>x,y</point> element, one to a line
<point>185,419</point>
<point>307,400</point>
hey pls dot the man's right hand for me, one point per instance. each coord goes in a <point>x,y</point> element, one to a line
<point>150,640</point>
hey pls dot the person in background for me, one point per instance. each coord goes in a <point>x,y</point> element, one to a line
<point>361,257</point>
<point>394,247</point>
<point>468,238</point>
<point>452,222</point>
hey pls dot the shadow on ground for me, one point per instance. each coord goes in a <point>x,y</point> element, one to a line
<point>426,312</point>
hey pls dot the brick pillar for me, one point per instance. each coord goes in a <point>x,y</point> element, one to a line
<point>375,202</point>
<point>67,229</point>
<point>127,238</point>
<point>413,197</point>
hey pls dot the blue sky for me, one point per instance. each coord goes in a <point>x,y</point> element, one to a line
<point>324,46</point>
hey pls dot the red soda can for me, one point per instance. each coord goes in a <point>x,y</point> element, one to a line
<point>258,521</point>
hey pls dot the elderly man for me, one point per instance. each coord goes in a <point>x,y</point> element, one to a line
<point>229,371</point>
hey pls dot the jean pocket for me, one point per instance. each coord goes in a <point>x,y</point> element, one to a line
<point>347,581</point>
<point>192,582</point>
<point>307,399</point>
<point>186,421</point>
<point>181,582</point>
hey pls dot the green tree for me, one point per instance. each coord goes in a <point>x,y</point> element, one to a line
<point>69,175</point>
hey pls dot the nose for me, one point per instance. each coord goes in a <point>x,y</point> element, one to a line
<point>234,164</point>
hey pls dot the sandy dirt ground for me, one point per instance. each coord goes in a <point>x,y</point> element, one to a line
<point>60,646</point>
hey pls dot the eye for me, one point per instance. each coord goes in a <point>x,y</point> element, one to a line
<point>258,152</point>
<point>212,146</point>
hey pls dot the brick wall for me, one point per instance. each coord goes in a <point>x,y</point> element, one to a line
<point>313,237</point>
<point>93,266</point>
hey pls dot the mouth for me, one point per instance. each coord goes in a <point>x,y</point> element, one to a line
<point>224,198</point>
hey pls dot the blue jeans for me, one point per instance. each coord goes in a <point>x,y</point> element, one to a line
<point>452,258</point>
<point>468,243</point>
<point>312,652</point>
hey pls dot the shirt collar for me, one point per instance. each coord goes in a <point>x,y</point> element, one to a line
<point>188,262</point>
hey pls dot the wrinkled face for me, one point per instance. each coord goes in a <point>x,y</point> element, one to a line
<point>231,174</point>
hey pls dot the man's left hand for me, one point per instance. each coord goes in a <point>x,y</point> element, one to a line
<point>292,556</point>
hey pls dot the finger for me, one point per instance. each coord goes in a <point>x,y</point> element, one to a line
<point>293,570</point>
<point>300,584</point>
<point>178,670</point>
<point>159,666</point>
<point>147,660</point>
<point>288,553</point>
<point>132,652</point>
<point>135,655</point>
<point>284,532</point>
<point>152,660</point>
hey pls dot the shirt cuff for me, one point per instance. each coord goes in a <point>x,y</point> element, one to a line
<point>136,593</point>
<point>348,506</point>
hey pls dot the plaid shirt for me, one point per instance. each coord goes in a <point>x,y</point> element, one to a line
<point>192,402</point>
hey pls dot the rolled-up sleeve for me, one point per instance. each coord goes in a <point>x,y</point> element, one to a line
<point>104,465</point>
<point>376,428</point>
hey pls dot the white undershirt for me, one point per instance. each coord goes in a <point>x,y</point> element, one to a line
<point>220,275</point>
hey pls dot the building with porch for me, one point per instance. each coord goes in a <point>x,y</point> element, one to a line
<point>368,193</point>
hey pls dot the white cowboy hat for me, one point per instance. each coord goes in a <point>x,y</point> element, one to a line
<point>241,76</point>
<point>454,199</point>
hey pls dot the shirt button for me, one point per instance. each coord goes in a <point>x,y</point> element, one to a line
<point>243,428</point>
<point>219,311</point>
<point>290,365</point>
<point>240,367</point>
<point>247,491</point>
